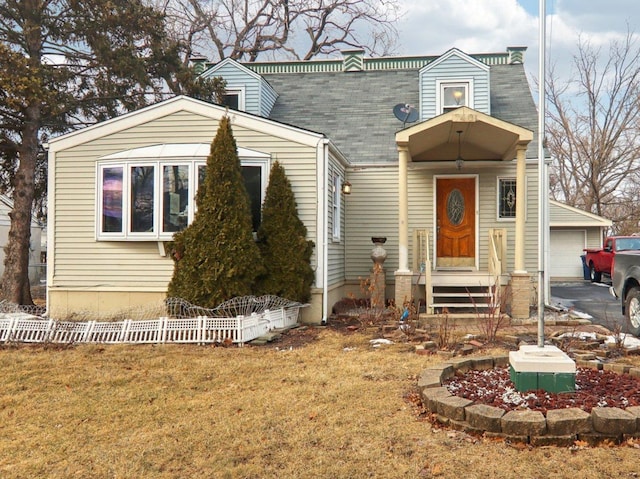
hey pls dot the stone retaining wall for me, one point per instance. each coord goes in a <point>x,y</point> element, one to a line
<point>560,427</point>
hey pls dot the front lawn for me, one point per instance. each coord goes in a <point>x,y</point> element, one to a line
<point>333,407</point>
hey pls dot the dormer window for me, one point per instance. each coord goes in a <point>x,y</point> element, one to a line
<point>454,95</point>
<point>234,98</point>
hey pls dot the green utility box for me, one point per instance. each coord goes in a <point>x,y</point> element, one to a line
<point>547,368</point>
<point>550,382</point>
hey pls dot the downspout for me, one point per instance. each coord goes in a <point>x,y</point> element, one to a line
<point>323,217</point>
<point>51,213</point>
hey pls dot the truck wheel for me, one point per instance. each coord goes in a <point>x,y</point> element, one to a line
<point>632,311</point>
<point>596,276</point>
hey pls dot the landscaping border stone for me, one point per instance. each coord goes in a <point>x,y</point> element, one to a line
<point>560,427</point>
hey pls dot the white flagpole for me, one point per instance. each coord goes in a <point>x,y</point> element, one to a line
<point>542,177</point>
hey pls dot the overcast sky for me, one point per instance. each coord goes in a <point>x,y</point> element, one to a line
<point>431,27</point>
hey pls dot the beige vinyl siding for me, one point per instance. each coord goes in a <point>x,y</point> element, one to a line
<point>373,211</point>
<point>79,261</point>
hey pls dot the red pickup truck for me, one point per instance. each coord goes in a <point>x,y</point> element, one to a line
<point>599,260</point>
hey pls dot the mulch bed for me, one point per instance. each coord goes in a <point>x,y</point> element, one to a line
<point>594,388</point>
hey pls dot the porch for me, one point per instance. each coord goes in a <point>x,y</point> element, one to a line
<point>457,274</point>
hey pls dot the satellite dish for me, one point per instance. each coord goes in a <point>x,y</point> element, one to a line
<point>405,113</point>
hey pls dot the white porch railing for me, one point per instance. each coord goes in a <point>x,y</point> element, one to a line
<point>497,251</point>
<point>422,263</point>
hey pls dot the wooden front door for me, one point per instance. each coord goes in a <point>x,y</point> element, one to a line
<point>455,222</point>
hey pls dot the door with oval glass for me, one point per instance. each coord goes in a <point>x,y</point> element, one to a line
<point>455,222</point>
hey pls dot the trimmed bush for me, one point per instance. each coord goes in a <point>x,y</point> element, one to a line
<point>282,238</point>
<point>216,257</point>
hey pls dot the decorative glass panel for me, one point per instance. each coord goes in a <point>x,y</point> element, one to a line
<point>507,198</point>
<point>112,200</point>
<point>142,199</point>
<point>455,207</point>
<point>175,197</point>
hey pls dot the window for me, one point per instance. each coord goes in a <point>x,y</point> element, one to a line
<point>175,197</point>
<point>255,176</point>
<point>142,198</point>
<point>506,198</point>
<point>337,196</point>
<point>454,95</point>
<point>151,200</point>
<point>112,196</point>
<point>234,98</point>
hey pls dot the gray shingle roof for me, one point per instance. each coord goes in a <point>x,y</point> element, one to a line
<point>355,109</point>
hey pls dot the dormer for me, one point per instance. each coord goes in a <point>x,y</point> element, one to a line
<point>246,90</point>
<point>455,79</point>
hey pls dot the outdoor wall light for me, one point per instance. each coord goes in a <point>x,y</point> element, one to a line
<point>346,188</point>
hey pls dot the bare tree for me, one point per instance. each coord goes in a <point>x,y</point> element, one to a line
<point>593,132</point>
<point>297,29</point>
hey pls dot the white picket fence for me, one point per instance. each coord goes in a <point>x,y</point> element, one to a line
<point>23,328</point>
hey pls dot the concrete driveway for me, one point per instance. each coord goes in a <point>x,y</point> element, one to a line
<point>590,298</point>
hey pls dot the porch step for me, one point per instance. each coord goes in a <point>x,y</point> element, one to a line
<point>462,292</point>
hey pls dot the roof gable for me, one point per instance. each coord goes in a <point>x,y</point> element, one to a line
<point>226,64</point>
<point>561,214</point>
<point>180,104</point>
<point>257,96</point>
<point>454,52</point>
<point>490,138</point>
<point>459,69</point>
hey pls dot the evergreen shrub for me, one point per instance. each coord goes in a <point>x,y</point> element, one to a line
<point>216,257</point>
<point>282,238</point>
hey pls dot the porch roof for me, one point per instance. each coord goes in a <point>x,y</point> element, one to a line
<point>482,137</point>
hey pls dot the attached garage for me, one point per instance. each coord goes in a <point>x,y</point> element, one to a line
<point>572,230</point>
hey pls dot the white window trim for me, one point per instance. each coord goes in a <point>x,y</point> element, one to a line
<point>126,235</point>
<point>512,219</point>
<point>240,91</point>
<point>337,207</point>
<point>467,83</point>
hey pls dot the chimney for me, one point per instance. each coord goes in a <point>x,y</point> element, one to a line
<point>198,63</point>
<point>352,60</point>
<point>516,54</point>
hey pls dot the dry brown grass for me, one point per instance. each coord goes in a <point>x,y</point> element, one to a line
<point>332,409</point>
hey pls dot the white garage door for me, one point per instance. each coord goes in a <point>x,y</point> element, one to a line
<point>565,249</point>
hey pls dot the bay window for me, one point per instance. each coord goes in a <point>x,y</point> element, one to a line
<point>150,200</point>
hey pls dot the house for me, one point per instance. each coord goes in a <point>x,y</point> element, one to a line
<point>36,267</point>
<point>450,180</point>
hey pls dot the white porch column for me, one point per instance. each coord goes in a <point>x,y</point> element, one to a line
<point>403,208</point>
<point>520,209</point>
